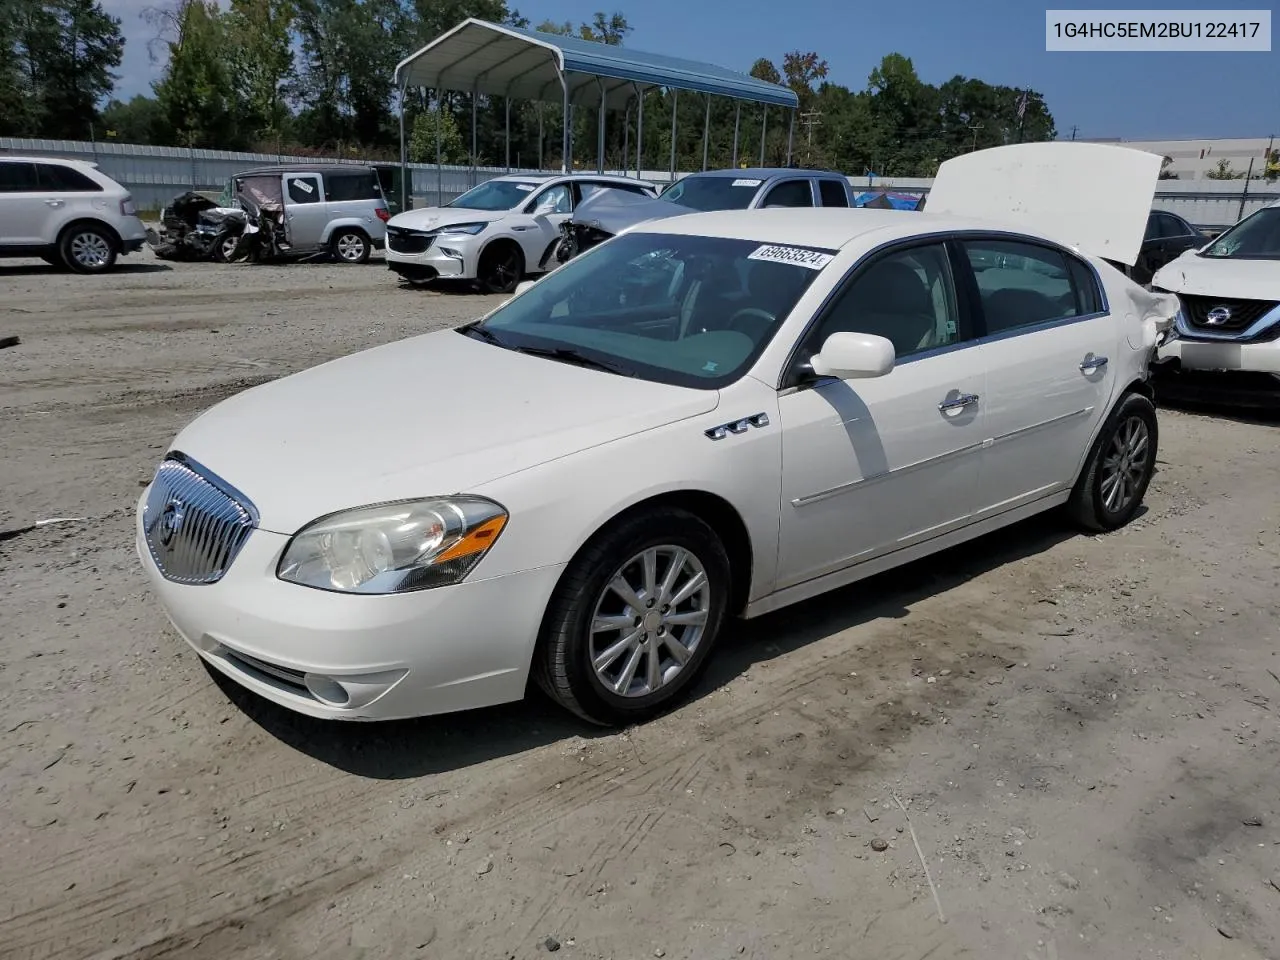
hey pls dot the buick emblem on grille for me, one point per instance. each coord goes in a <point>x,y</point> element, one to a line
<point>171,521</point>
<point>1218,316</point>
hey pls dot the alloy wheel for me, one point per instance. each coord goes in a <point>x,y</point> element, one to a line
<point>1125,464</point>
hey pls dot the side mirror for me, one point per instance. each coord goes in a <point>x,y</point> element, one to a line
<point>854,356</point>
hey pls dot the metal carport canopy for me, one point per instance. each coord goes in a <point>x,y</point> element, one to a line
<point>481,57</point>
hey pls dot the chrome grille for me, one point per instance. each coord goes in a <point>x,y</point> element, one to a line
<point>194,523</point>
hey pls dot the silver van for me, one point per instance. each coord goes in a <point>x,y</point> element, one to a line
<point>328,207</point>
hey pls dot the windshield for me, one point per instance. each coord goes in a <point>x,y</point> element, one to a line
<point>713,193</point>
<point>1256,237</point>
<point>684,310</point>
<point>495,195</point>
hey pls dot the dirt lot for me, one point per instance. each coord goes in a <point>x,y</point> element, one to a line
<point>1083,730</point>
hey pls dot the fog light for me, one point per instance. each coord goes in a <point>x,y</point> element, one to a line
<point>327,689</point>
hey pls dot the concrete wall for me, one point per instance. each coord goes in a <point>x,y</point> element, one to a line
<point>1192,159</point>
<point>157,174</point>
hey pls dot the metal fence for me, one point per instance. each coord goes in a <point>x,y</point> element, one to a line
<point>154,175</point>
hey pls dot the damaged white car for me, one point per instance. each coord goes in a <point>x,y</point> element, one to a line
<point>1227,347</point>
<point>707,417</point>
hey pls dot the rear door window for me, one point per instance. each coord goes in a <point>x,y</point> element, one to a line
<point>18,177</point>
<point>790,193</point>
<point>342,187</point>
<point>833,193</point>
<point>54,176</point>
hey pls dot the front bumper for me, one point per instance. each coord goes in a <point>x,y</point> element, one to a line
<point>343,657</point>
<point>1204,376</point>
<point>447,258</point>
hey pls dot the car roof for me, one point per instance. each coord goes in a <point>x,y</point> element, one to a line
<point>766,173</point>
<point>307,168</point>
<point>829,228</point>
<point>65,161</point>
<point>548,177</point>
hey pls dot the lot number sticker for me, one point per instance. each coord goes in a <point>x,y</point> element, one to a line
<point>799,256</point>
<point>745,183</point>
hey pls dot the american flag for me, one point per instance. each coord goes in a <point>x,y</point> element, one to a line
<point>1022,104</point>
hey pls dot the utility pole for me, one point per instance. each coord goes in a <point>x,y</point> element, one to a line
<point>975,127</point>
<point>810,120</point>
<point>1074,128</point>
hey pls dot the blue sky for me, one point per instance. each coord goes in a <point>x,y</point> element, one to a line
<point>1130,95</point>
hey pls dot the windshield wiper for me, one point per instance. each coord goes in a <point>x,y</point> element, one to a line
<point>575,357</point>
<point>474,329</point>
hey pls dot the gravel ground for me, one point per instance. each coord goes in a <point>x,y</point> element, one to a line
<point>1082,730</point>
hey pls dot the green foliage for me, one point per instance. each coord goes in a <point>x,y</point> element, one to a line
<point>422,141</point>
<point>1223,171</point>
<point>57,62</point>
<point>196,94</point>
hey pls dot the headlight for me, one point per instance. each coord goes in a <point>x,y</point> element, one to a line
<point>469,228</point>
<point>394,547</point>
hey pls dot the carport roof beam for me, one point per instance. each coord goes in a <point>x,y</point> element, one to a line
<point>495,60</point>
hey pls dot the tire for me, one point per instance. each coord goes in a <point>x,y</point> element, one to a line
<point>563,664</point>
<point>501,267</point>
<point>349,245</point>
<point>88,248</point>
<point>1127,443</point>
<point>223,246</point>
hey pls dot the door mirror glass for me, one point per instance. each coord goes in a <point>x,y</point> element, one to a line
<point>854,356</point>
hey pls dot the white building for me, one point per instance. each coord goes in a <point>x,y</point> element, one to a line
<point>1192,159</point>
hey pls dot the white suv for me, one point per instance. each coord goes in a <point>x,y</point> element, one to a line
<point>67,213</point>
<point>494,233</point>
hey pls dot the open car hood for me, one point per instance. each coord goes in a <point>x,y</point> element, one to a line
<point>1092,196</point>
<point>613,211</point>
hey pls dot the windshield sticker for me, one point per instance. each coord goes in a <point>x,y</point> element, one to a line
<point>301,185</point>
<point>746,183</point>
<point>526,187</point>
<point>801,257</point>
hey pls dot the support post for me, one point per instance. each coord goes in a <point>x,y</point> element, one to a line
<point>764,126</point>
<point>600,130</point>
<point>508,133</point>
<point>626,141</point>
<point>737,119</point>
<point>564,133</point>
<point>639,131</point>
<point>791,130</point>
<point>540,138</point>
<point>675,110</point>
<point>706,131</point>
<point>404,153</point>
<point>473,136</point>
<point>439,168</point>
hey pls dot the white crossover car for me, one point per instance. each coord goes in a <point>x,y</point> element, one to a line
<point>67,212</point>
<point>1227,342</point>
<point>707,417</point>
<point>497,232</point>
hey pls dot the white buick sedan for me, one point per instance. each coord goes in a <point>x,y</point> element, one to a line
<point>708,417</point>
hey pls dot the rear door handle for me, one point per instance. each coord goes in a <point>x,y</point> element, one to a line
<point>959,403</point>
<point>1092,364</point>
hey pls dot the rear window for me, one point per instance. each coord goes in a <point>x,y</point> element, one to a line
<point>352,186</point>
<point>17,177</point>
<point>54,176</point>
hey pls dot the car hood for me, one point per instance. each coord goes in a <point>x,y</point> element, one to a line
<point>615,210</point>
<point>436,414</point>
<point>432,218</point>
<point>1092,196</point>
<point>1220,277</point>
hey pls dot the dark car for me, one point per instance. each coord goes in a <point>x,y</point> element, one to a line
<point>1168,236</point>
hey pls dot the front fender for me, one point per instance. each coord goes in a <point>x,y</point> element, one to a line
<point>558,506</point>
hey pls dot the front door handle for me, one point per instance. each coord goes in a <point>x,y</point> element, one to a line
<point>1092,364</point>
<point>55,203</point>
<point>959,403</point>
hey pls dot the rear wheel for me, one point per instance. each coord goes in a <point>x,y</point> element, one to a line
<point>635,617</point>
<point>88,248</point>
<point>501,267</point>
<point>351,246</point>
<point>1120,467</point>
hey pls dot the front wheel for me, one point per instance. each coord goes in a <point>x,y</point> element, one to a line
<point>351,246</point>
<point>501,267</point>
<point>1120,467</point>
<point>635,617</point>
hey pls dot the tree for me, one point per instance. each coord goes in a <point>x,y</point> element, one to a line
<point>763,69</point>
<point>259,34</point>
<point>422,142</point>
<point>66,52</point>
<point>1271,168</point>
<point>1165,172</point>
<point>611,30</point>
<point>138,121</point>
<point>195,96</point>
<point>1223,171</point>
